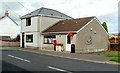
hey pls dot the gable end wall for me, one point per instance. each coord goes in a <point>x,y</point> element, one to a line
<point>88,40</point>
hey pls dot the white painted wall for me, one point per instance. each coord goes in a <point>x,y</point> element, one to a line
<point>37,23</point>
<point>32,27</point>
<point>8,27</point>
<point>48,21</point>
<point>35,40</point>
<point>21,40</point>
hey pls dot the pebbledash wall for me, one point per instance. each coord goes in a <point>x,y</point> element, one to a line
<point>37,22</point>
<point>62,39</point>
<point>99,38</point>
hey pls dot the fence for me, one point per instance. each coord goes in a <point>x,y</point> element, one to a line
<point>9,43</point>
<point>114,46</point>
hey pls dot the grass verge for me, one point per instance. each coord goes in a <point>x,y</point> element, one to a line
<point>112,55</point>
<point>111,51</point>
<point>115,60</point>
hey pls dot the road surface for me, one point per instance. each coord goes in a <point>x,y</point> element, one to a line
<point>16,60</point>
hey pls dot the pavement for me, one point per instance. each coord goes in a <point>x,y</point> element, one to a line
<point>34,61</point>
<point>85,57</point>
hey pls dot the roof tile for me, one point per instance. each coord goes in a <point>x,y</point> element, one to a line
<point>68,25</point>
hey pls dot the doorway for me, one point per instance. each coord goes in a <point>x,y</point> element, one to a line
<point>68,39</point>
<point>23,40</point>
<point>68,43</point>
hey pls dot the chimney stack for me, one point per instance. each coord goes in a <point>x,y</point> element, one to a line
<point>6,13</point>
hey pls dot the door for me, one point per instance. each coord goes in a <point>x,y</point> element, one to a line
<point>23,40</point>
<point>68,39</point>
<point>68,45</point>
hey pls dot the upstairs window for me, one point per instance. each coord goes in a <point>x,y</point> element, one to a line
<point>28,21</point>
<point>29,38</point>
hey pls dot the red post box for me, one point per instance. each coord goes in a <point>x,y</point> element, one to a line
<point>54,42</point>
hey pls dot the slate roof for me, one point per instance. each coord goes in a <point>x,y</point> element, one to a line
<point>2,17</point>
<point>46,11</point>
<point>68,25</point>
<point>9,18</point>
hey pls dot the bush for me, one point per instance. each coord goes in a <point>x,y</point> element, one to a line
<point>115,47</point>
<point>17,38</point>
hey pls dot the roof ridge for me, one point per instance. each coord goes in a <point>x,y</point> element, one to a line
<point>9,18</point>
<point>39,10</point>
<point>12,20</point>
<point>55,10</point>
<point>85,17</point>
<point>2,17</point>
<point>78,18</point>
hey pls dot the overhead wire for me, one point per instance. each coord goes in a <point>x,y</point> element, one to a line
<point>11,9</point>
<point>23,6</point>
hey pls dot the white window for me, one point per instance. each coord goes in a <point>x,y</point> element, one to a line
<point>29,38</point>
<point>28,21</point>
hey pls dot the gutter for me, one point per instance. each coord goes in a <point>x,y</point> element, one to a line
<point>74,32</point>
<point>24,17</point>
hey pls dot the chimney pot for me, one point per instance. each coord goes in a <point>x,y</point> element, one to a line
<point>6,13</point>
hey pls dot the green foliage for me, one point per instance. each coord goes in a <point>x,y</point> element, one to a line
<point>105,26</point>
<point>118,37</point>
<point>115,59</point>
<point>17,38</point>
<point>112,55</point>
<point>111,51</point>
<point>119,34</point>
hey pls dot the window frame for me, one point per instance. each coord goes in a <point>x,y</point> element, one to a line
<point>31,38</point>
<point>49,37</point>
<point>28,21</point>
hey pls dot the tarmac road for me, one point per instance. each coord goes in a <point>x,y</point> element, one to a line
<point>20,61</point>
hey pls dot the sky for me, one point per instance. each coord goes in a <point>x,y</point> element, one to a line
<point>104,10</point>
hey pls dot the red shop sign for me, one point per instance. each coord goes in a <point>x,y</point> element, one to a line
<point>70,34</point>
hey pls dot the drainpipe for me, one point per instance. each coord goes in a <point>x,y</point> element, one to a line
<point>41,31</point>
<point>38,30</point>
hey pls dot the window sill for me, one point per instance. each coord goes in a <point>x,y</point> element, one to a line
<point>48,43</point>
<point>29,42</point>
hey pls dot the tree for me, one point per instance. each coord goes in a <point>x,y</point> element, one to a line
<point>17,38</point>
<point>105,26</point>
<point>119,37</point>
<point>119,34</point>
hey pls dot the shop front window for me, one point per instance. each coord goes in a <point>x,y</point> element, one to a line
<point>49,39</point>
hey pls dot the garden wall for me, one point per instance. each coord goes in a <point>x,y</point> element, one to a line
<point>9,43</point>
<point>114,46</point>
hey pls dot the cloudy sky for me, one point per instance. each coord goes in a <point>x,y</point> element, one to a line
<point>104,10</point>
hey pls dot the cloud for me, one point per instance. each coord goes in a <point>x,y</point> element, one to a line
<point>12,5</point>
<point>94,8</point>
<point>36,4</point>
<point>112,21</point>
<point>1,9</point>
<point>105,10</point>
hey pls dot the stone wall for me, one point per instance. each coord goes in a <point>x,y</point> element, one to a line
<point>9,44</point>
